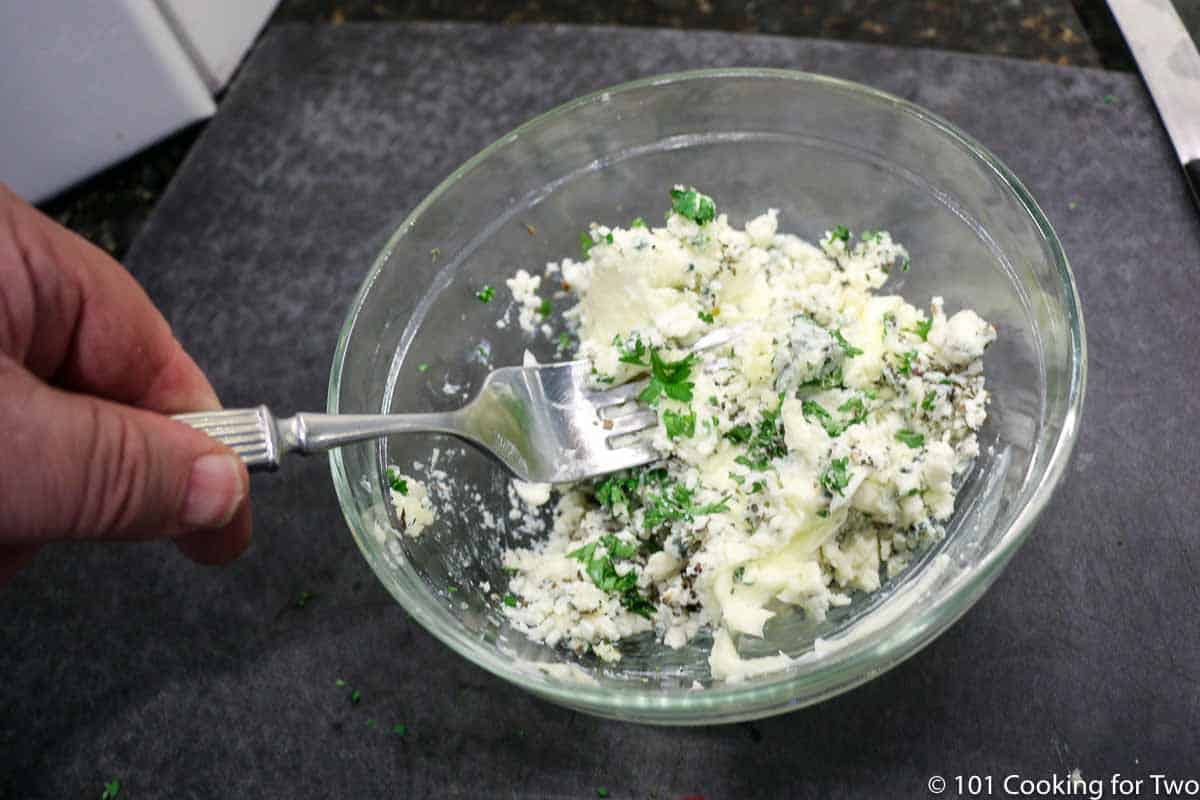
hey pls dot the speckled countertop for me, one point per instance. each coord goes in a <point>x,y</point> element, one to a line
<point>111,208</point>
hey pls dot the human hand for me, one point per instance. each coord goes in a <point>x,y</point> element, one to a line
<point>88,372</point>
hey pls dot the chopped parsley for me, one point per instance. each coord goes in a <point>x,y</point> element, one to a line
<point>905,264</point>
<point>605,576</point>
<point>674,503</point>
<point>850,350</point>
<point>830,380</point>
<point>837,476</point>
<point>910,438</point>
<point>545,307</point>
<point>638,222</point>
<point>485,294</point>
<point>705,316</point>
<point>355,696</point>
<point>112,790</point>
<point>930,400</point>
<point>399,729</point>
<point>855,406</point>
<point>303,599</point>
<point>841,233</point>
<point>669,378</point>
<point>601,791</point>
<point>510,600</point>
<point>339,683</point>
<point>693,205</point>
<point>740,434</point>
<point>422,367</point>
<point>905,365</point>
<point>765,443</point>
<point>564,341</point>
<point>633,352</point>
<point>585,243</point>
<point>869,236</point>
<point>739,574</point>
<point>679,424</point>
<point>922,329</point>
<point>397,483</point>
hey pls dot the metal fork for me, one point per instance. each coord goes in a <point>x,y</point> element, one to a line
<point>543,423</point>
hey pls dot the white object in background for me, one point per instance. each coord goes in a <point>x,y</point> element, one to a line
<point>84,84</point>
<point>217,33</point>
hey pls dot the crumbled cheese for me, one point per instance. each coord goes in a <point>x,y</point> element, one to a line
<point>818,452</point>
<point>524,288</point>
<point>413,508</point>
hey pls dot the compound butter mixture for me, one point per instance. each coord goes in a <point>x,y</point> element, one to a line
<point>804,461</point>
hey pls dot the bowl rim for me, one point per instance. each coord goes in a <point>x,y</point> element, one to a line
<point>741,701</point>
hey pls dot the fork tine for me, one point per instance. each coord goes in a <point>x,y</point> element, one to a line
<point>630,423</point>
<point>622,394</point>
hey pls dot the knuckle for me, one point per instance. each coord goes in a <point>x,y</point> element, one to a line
<point>117,476</point>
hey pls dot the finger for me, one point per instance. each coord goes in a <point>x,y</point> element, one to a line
<point>73,316</point>
<point>220,546</point>
<point>89,468</point>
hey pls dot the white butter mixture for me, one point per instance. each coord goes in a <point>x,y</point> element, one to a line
<point>806,460</point>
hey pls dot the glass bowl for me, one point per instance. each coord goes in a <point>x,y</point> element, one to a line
<point>823,152</point>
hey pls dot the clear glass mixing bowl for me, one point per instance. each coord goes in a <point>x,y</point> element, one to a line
<point>823,152</point>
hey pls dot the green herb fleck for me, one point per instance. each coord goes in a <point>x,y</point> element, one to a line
<point>422,367</point>
<point>869,236</point>
<point>837,476</point>
<point>510,600</point>
<point>605,576</point>
<point>930,399</point>
<point>905,365</point>
<point>910,438</point>
<point>601,791</point>
<point>435,253</point>
<point>585,243</point>
<point>1110,99</point>
<point>399,729</point>
<point>757,487</point>
<point>850,350</point>
<point>1072,205</point>
<point>830,380</point>
<point>339,683</point>
<point>564,341</point>
<point>397,483</point>
<point>855,406</point>
<point>840,232</point>
<point>355,696</point>
<point>905,264</point>
<point>485,294</point>
<point>922,329</point>
<point>303,599</point>
<point>739,573</point>
<point>705,316</point>
<point>740,434</point>
<point>766,441</point>
<point>669,378</point>
<point>608,237</point>
<point>697,207</point>
<point>452,589</point>
<point>638,222</point>
<point>823,513</point>
<point>738,479</point>
<point>679,424</point>
<point>545,307</point>
<point>112,790</point>
<point>370,723</point>
<point>633,352</point>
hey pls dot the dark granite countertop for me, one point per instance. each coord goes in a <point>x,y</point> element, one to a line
<point>127,661</point>
<point>111,208</point>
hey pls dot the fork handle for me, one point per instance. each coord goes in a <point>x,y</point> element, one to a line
<point>261,440</point>
<point>316,433</point>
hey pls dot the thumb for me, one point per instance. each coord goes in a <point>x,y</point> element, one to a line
<point>87,468</point>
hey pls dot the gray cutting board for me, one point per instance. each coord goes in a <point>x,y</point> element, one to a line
<point>192,682</point>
